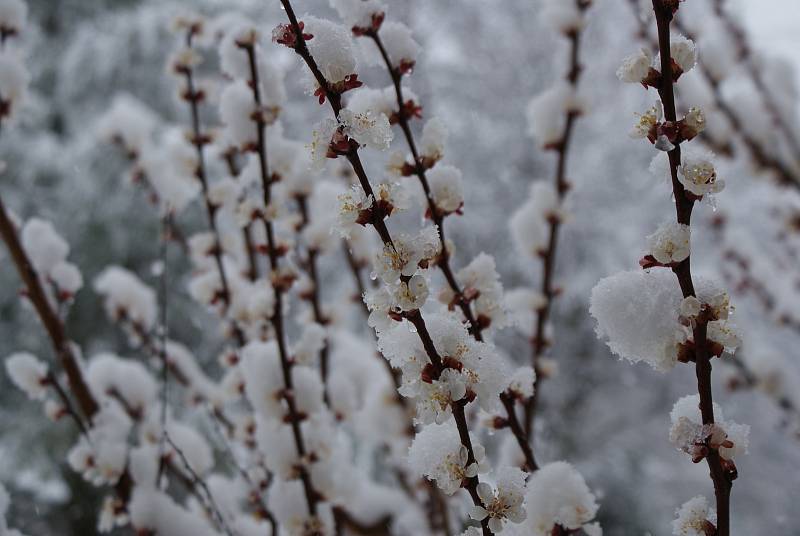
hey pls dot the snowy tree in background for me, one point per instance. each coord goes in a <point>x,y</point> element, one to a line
<point>360,290</point>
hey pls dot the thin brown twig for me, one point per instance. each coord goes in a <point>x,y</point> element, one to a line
<point>247,231</point>
<point>199,140</point>
<point>311,495</point>
<point>539,342</point>
<point>475,325</point>
<point>52,323</point>
<point>198,481</point>
<point>664,10</point>
<point>415,317</point>
<point>310,265</point>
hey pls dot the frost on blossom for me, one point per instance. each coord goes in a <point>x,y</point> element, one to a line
<point>126,297</point>
<point>689,434</point>
<point>683,52</point>
<point>502,503</point>
<point>101,457</point>
<point>475,364</point>
<point>407,254</point>
<point>360,15</point>
<point>480,285</point>
<point>331,47</point>
<point>557,495</point>
<point>437,453</point>
<point>29,374</point>
<point>636,67</point>
<point>694,518</point>
<point>530,223</point>
<point>44,246</point>
<point>669,245</point>
<point>400,46</point>
<point>434,138</point>
<point>546,113</point>
<point>697,173</point>
<point>129,123</point>
<point>369,129</point>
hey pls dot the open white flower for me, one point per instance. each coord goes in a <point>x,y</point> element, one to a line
<point>683,52</point>
<point>693,517</point>
<point>636,67</point>
<point>647,122</point>
<point>698,175</point>
<point>504,503</point>
<point>369,129</point>
<point>435,399</point>
<point>670,243</point>
<point>352,205</point>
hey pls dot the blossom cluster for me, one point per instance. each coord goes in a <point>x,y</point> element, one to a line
<point>645,315</point>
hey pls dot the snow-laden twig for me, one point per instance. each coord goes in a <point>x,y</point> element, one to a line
<point>415,317</point>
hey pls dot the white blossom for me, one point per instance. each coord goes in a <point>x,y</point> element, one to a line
<point>697,173</point>
<point>400,46</point>
<point>565,17</point>
<point>28,373</point>
<point>376,101</point>
<point>321,141</point>
<point>352,206</point>
<point>480,283</point>
<point>670,243</point>
<point>557,495</point>
<point>646,122</point>
<point>44,246</point>
<point>688,433</point>
<point>636,67</point>
<point>67,278</point>
<point>692,517</point>
<point>236,109</point>
<point>369,129</point>
<point>690,307</point>
<point>695,120</point>
<point>126,297</point>
<point>435,399</point>
<point>547,113</point>
<point>331,47</point>
<point>433,140</point>
<point>438,454</point>
<point>522,382</point>
<point>358,13</point>
<point>530,223</point>
<point>683,52</point>
<point>724,333</point>
<point>129,122</point>
<point>403,256</point>
<point>411,295</point>
<point>503,503</point>
<point>446,188</point>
